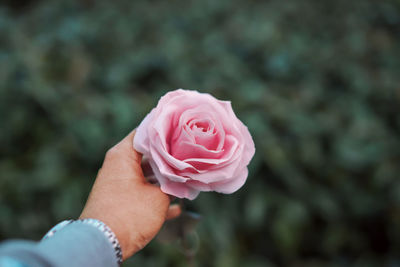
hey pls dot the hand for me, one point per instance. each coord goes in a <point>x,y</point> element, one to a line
<point>121,197</point>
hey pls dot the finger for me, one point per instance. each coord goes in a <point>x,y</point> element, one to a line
<point>125,147</point>
<point>122,161</point>
<point>127,141</point>
<point>174,211</point>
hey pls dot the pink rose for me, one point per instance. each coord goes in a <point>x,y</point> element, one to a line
<point>194,143</point>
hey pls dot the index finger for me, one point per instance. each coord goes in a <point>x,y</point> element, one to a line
<point>122,161</point>
<point>125,147</point>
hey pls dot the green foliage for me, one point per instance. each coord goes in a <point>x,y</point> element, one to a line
<point>317,83</point>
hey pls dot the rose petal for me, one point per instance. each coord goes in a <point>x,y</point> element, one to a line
<point>173,162</point>
<point>231,185</point>
<point>199,185</point>
<point>141,140</point>
<point>211,176</point>
<point>165,168</point>
<point>186,149</point>
<point>180,190</point>
<point>221,169</point>
<point>227,186</point>
<point>230,148</point>
<point>249,149</point>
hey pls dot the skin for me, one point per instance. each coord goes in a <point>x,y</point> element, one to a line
<point>121,197</point>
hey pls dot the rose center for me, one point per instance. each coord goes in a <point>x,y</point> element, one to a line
<point>201,126</point>
<point>204,127</point>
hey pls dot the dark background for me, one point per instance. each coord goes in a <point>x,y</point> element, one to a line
<point>317,83</point>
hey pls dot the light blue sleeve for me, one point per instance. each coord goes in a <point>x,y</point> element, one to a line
<point>74,245</point>
<point>10,262</point>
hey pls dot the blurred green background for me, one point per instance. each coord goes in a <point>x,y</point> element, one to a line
<point>316,81</point>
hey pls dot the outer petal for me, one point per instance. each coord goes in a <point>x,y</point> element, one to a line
<point>180,190</point>
<point>248,149</point>
<point>231,185</point>
<point>199,185</point>
<point>227,186</point>
<point>141,141</point>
